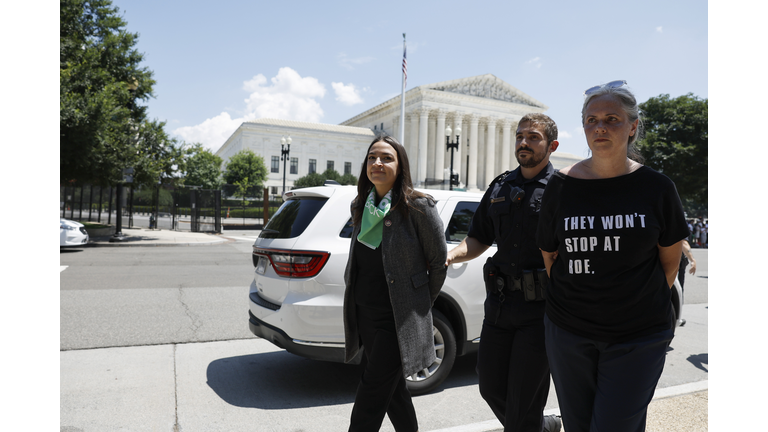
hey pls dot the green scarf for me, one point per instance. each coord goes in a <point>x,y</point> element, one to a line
<point>371,229</point>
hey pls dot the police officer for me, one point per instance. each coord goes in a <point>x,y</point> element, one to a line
<point>512,360</point>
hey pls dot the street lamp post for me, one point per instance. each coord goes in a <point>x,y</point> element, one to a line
<point>285,153</point>
<point>127,178</point>
<point>454,179</point>
<point>118,236</point>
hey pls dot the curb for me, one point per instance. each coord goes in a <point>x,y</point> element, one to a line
<point>662,393</point>
<point>104,242</point>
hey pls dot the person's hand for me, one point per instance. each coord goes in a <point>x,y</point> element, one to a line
<point>693,267</point>
<point>449,259</point>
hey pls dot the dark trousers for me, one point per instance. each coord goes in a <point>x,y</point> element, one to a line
<point>512,362</point>
<point>382,387</point>
<point>602,386</point>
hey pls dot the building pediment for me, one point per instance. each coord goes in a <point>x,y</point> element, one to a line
<point>485,86</point>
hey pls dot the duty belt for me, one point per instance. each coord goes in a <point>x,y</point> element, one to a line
<point>512,283</point>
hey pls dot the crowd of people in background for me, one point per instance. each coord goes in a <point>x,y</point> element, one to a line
<point>698,228</point>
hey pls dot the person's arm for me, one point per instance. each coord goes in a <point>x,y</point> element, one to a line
<point>670,260</point>
<point>689,255</point>
<point>469,249</point>
<point>432,238</point>
<point>549,259</point>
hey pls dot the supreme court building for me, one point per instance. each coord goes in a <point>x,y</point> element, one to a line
<point>484,108</point>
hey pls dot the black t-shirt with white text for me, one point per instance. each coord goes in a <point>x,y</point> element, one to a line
<point>607,282</point>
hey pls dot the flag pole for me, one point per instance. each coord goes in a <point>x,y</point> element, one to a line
<point>402,97</point>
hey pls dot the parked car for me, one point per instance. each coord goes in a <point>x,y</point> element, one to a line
<point>72,233</point>
<point>296,297</point>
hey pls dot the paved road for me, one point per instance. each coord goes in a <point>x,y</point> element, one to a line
<point>157,339</point>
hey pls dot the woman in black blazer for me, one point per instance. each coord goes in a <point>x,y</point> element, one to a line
<point>394,273</point>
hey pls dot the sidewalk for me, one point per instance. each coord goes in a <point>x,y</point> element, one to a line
<point>241,385</point>
<point>673,409</point>
<point>159,237</point>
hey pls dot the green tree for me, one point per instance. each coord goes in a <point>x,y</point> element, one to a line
<point>203,168</point>
<point>102,128</point>
<point>348,179</point>
<point>675,144</point>
<point>246,165</point>
<point>309,180</point>
<point>242,189</point>
<point>315,179</point>
<point>331,174</point>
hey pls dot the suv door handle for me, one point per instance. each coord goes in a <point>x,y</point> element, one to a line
<point>457,266</point>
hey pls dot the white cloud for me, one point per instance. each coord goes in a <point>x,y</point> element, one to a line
<point>658,29</point>
<point>212,132</point>
<point>563,134</point>
<point>347,94</point>
<point>289,97</point>
<point>535,62</point>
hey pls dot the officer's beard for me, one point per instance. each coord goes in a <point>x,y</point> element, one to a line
<point>532,161</point>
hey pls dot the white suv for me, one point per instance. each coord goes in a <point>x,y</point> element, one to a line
<point>296,298</point>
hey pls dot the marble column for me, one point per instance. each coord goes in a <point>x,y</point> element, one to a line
<point>474,120</point>
<point>481,154</point>
<point>506,143</point>
<point>431,135</point>
<point>440,146</point>
<point>421,173</point>
<point>490,152</point>
<point>513,159</point>
<point>413,144</point>
<point>458,154</point>
<point>396,130</point>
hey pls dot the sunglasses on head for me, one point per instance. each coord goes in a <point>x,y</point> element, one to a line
<point>612,84</point>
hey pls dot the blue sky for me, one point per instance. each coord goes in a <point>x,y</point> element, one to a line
<point>217,65</point>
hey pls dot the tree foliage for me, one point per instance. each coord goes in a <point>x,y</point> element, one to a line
<point>103,129</point>
<point>675,144</point>
<point>246,165</point>
<point>203,168</point>
<point>316,179</point>
<point>348,179</point>
<point>309,180</point>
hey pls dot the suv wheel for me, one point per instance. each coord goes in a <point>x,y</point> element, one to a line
<point>429,378</point>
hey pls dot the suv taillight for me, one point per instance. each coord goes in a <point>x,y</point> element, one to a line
<point>296,264</point>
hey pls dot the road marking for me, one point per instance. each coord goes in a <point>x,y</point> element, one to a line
<point>62,268</point>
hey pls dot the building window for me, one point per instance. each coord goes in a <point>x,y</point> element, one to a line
<point>312,166</point>
<point>347,167</point>
<point>273,190</point>
<point>329,165</point>
<point>275,164</point>
<point>294,165</point>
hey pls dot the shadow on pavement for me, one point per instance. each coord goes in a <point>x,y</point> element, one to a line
<point>699,360</point>
<point>281,380</point>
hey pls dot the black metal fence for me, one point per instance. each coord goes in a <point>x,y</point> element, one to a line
<point>245,209</point>
<point>180,208</point>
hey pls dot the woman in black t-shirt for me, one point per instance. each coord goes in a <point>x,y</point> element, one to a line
<point>610,231</point>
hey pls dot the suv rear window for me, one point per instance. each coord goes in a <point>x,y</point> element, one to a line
<point>292,218</point>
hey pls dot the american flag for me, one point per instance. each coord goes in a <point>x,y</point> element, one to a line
<point>405,64</point>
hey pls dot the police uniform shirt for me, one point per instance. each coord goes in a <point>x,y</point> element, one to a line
<point>512,225</point>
